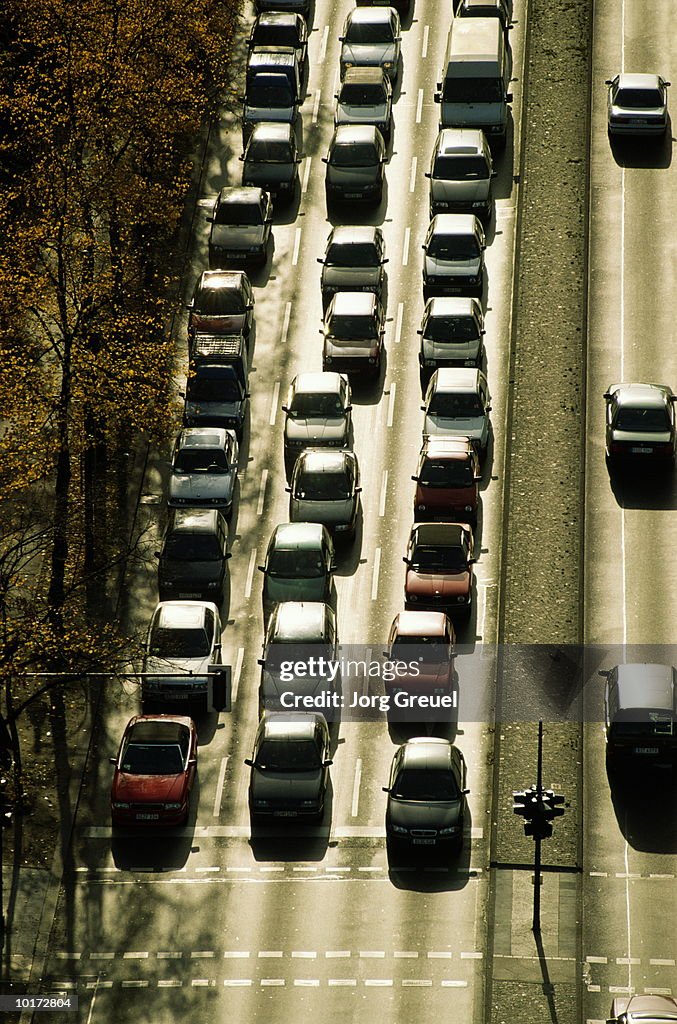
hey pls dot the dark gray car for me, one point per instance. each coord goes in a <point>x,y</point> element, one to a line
<point>204,469</point>
<point>281,28</point>
<point>240,226</point>
<point>318,414</point>
<point>193,556</point>
<point>354,326</point>
<point>365,97</point>
<point>325,488</point>
<point>271,159</point>
<point>299,565</point>
<point>355,161</point>
<point>296,632</point>
<point>353,261</point>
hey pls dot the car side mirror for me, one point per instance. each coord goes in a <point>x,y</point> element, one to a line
<point>437,98</point>
<point>288,490</point>
<point>419,331</point>
<point>192,761</point>
<point>407,561</point>
<point>508,97</point>
<point>349,408</point>
<point>285,408</point>
<point>248,761</point>
<point>158,554</point>
<point>342,39</point>
<point>332,567</point>
<point>327,763</point>
<point>261,568</point>
<point>488,408</point>
<point>299,159</point>
<point>112,760</point>
<point>478,476</point>
<point>386,789</point>
<point>603,672</point>
<point>261,662</point>
<point>465,792</point>
<point>415,479</point>
<point>608,81</point>
<point>472,560</point>
<point>607,395</point>
<point>423,408</point>
<point>249,306</point>
<point>210,219</point>
<point>228,554</point>
<point>483,332</point>
<point>320,260</point>
<point>384,261</point>
<point>182,394</point>
<point>241,156</point>
<point>325,160</point>
<point>358,490</point>
<point>427,174</point>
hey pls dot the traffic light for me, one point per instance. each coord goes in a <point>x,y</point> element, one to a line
<point>538,810</point>
<point>219,688</point>
<point>5,804</point>
<point>551,801</point>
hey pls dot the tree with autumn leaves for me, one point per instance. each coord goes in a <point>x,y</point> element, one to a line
<point>101,107</point>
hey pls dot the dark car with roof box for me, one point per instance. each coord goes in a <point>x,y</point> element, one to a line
<point>222,303</point>
<point>193,554</point>
<point>640,715</point>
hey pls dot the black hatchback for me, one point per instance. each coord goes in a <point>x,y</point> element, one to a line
<point>193,556</point>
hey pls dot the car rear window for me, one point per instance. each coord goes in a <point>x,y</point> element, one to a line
<point>446,473</point>
<point>307,406</point>
<point>201,460</point>
<point>238,214</point>
<point>454,247</point>
<point>452,406</point>
<point>451,328</point>
<point>472,90</point>
<point>269,151</point>
<point>366,32</point>
<point>425,784</point>
<point>152,759</point>
<point>460,168</point>
<point>192,547</point>
<point>425,559</point>
<point>274,96</point>
<point>179,643</point>
<point>205,389</point>
<point>642,420</point>
<point>638,99</point>
<point>295,564</point>
<point>346,327</point>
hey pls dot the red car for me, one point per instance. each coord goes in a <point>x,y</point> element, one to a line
<point>439,563</point>
<point>154,771</point>
<point>447,480</point>
<point>428,638</point>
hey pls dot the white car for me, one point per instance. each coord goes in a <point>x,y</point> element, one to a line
<point>637,105</point>
<point>457,404</point>
<point>184,638</point>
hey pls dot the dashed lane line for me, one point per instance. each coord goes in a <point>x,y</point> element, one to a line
<point>419,106</point>
<point>424,47</point>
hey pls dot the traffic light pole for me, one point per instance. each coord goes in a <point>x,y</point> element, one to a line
<point>536,923</point>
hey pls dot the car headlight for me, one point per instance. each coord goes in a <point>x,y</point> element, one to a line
<point>121,807</point>
<point>173,807</point>
<point>400,831</point>
<point>451,831</point>
<point>328,359</point>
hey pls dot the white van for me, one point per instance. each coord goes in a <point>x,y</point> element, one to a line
<point>473,91</point>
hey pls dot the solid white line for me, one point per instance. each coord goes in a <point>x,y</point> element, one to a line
<point>262,492</point>
<point>374,578</point>
<point>306,174</point>
<point>219,786</point>
<point>419,106</point>
<point>285,323</point>
<point>424,48</point>
<point>412,174</point>
<point>297,245</point>
<point>316,106</point>
<point>398,322</point>
<point>384,491</point>
<point>273,404</point>
<point>323,45</point>
<point>250,575</point>
<point>356,788</point>
<point>405,246</point>
<point>236,675</point>
<point>391,404</point>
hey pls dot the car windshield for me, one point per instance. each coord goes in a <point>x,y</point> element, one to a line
<point>219,302</point>
<point>642,420</point>
<point>638,99</point>
<point>186,642</point>
<point>452,473</point>
<point>277,653</point>
<point>270,151</point>
<point>206,389</point>
<point>426,784</point>
<point>275,35</point>
<point>296,564</point>
<point>238,214</point>
<point>152,759</point>
<point>366,32</point>
<point>369,94</point>
<point>274,96</point>
<point>307,406</point>
<point>288,756</point>
<point>201,460</point>
<point>192,547</point>
<point>426,559</point>
<point>453,247</point>
<point>323,486</point>
<point>352,327</point>
<point>452,406</point>
<point>360,254</point>
<point>460,168</point>
<point>473,90</point>
<point>451,328</point>
<point>354,154</point>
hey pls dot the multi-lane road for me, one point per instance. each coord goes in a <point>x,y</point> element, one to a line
<point>210,925</point>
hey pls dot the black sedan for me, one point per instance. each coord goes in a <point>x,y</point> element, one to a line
<point>281,28</point>
<point>271,159</point>
<point>289,767</point>
<point>426,796</point>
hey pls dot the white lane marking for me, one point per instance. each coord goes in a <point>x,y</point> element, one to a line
<point>303,955</point>
<point>135,956</point>
<point>236,954</point>
<point>342,981</point>
<point>379,982</point>
<point>472,955</point>
<point>209,870</point>
<point>273,868</point>
<point>169,983</point>
<point>599,874</point>
<point>419,106</point>
<point>270,953</point>
<point>273,404</point>
<point>657,991</point>
<point>412,174</point>
<point>323,45</point>
<point>627,960</point>
<point>398,322</point>
<point>439,956</point>
<point>219,786</point>
<point>391,404</point>
<point>354,807</point>
<point>627,909</point>
<point>371,868</point>
<point>405,955</point>
<point>236,682</point>
<point>374,578</point>
<point>272,981</point>
<point>307,982</point>
<point>306,171</point>
<point>262,491</point>
<point>237,982</point>
<point>94,995</point>
<point>405,246</point>
<point>417,982</point>
<point>596,960</point>
<point>454,984</point>
<point>375,954</point>
<point>336,953</point>
<point>250,575</point>
<point>384,492</point>
<point>168,956</point>
<point>202,954</point>
<point>285,323</point>
<point>656,962</point>
<point>297,245</point>
<point>306,868</point>
<point>424,48</point>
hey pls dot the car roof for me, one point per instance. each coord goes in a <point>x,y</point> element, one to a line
<point>460,140</point>
<point>452,305</point>
<point>457,378</point>
<point>453,224</point>
<point>278,725</point>
<point>443,535</point>
<point>327,382</point>
<point>629,80</point>
<point>240,195</point>
<point>203,437</point>
<point>646,686</point>
<point>158,729</point>
<point>431,752</point>
<point>273,131</point>
<point>346,134</point>
<point>641,396</point>
<point>181,614</point>
<point>365,76</point>
<point>420,623</point>
<point>354,234</point>
<point>213,279</point>
<point>298,535</point>
<point>451,448</point>
<point>368,15</point>
<point>354,303</point>
<point>299,621</point>
<point>194,520</point>
<point>324,460</point>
